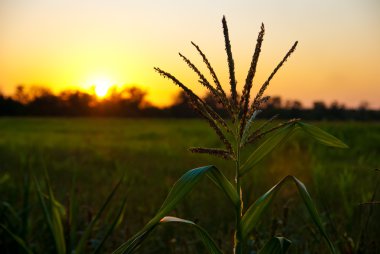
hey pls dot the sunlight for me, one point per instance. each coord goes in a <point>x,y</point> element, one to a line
<point>102,87</point>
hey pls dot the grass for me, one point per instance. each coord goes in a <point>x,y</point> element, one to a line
<point>153,155</point>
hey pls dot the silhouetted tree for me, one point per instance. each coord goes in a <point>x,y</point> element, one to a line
<point>134,101</point>
<point>364,105</point>
<point>20,95</point>
<point>319,110</point>
<point>46,105</point>
<point>131,102</point>
<point>10,107</point>
<point>337,111</point>
<point>274,102</point>
<point>77,103</point>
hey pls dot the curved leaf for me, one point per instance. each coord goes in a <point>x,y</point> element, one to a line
<point>186,183</point>
<point>276,245</point>
<point>201,232</point>
<point>223,184</point>
<point>321,136</point>
<point>267,146</point>
<point>52,211</point>
<point>179,190</point>
<point>254,212</point>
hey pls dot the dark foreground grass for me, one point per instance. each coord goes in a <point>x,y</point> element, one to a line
<point>152,155</point>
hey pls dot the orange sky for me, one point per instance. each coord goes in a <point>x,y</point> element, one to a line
<point>73,44</point>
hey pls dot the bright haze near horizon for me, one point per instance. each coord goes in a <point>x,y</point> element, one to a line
<point>85,44</point>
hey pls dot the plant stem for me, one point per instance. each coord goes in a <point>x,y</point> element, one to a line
<point>238,245</point>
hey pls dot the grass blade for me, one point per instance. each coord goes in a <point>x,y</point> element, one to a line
<point>257,209</point>
<point>201,232</point>
<point>179,190</point>
<point>73,212</point>
<point>87,232</point>
<point>26,203</point>
<point>115,222</point>
<point>18,239</point>
<point>276,245</point>
<point>130,245</point>
<point>52,210</point>
<point>267,146</point>
<point>322,136</point>
<point>56,210</point>
<point>9,215</point>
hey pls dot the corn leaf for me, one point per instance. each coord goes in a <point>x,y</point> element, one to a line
<point>322,136</point>
<point>179,190</point>
<point>223,184</point>
<point>267,146</point>
<point>186,183</point>
<point>201,232</point>
<point>276,245</point>
<point>257,209</point>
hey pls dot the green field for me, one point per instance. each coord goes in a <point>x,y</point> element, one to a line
<point>152,155</point>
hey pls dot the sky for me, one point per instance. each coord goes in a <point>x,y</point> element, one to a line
<point>77,44</point>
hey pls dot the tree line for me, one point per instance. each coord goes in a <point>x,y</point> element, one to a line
<point>131,102</point>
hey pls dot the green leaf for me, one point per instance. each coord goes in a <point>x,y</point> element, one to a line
<point>179,190</point>
<point>322,136</point>
<point>257,209</point>
<point>267,146</point>
<point>53,212</point>
<point>276,245</point>
<point>223,184</point>
<point>201,232</point>
<point>186,183</point>
<point>18,239</point>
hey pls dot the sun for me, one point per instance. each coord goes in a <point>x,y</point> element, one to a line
<point>101,87</point>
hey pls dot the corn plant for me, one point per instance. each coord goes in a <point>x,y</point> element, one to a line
<point>236,135</point>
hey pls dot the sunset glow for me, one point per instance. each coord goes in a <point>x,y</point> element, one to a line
<point>58,44</point>
<point>101,87</point>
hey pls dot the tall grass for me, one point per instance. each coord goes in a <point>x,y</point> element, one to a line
<point>64,235</point>
<point>237,136</point>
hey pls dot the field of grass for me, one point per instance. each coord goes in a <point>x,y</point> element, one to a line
<point>152,154</point>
